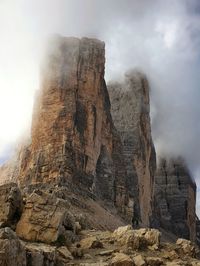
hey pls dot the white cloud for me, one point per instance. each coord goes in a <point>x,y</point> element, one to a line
<point>160,37</point>
<point>168,32</point>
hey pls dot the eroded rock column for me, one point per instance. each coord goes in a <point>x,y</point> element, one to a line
<point>175,198</point>
<point>130,111</point>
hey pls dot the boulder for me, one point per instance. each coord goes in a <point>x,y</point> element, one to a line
<point>139,261</point>
<point>127,237</point>
<point>137,239</point>
<point>154,261</point>
<point>47,219</point>
<point>11,205</point>
<point>107,252</point>
<point>177,263</point>
<point>12,252</point>
<point>148,237</point>
<point>120,231</point>
<point>39,254</point>
<point>63,256</point>
<point>121,259</point>
<point>91,243</point>
<point>195,263</point>
<point>185,247</point>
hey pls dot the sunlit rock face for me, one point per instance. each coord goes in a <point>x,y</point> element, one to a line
<point>130,111</point>
<point>73,137</point>
<point>175,198</point>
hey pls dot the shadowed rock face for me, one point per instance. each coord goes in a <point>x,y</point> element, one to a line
<point>11,205</point>
<point>175,198</point>
<point>73,137</point>
<point>130,111</point>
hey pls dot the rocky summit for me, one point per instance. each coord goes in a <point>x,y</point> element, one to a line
<point>85,188</point>
<point>130,109</point>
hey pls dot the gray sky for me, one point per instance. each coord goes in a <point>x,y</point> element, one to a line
<point>160,37</point>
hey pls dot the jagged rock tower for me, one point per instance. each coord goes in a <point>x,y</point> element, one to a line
<point>73,137</point>
<point>131,116</point>
<point>175,198</point>
<point>75,144</point>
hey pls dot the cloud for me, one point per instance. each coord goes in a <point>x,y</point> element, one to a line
<point>160,37</point>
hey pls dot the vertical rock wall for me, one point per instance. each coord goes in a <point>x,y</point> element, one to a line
<point>73,137</point>
<point>130,110</point>
<point>175,198</point>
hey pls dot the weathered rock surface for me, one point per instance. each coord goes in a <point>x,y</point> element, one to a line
<point>130,111</point>
<point>137,239</point>
<point>91,242</point>
<point>198,230</point>
<point>73,137</point>
<point>97,248</point>
<point>38,254</point>
<point>139,261</point>
<point>154,261</point>
<point>11,205</point>
<point>12,252</point>
<point>185,247</point>
<point>46,219</point>
<point>121,259</point>
<point>175,199</point>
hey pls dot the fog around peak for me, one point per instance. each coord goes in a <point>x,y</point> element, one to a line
<point>160,38</point>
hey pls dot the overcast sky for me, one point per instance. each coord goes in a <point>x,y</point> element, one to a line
<point>160,37</point>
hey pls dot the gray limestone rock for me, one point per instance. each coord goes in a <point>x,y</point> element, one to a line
<point>130,109</point>
<point>175,198</point>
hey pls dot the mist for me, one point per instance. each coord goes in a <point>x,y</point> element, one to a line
<point>161,38</point>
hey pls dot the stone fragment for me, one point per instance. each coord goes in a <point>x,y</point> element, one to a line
<point>77,252</point>
<point>39,254</point>
<point>177,263</point>
<point>121,259</point>
<point>106,252</point>
<point>149,237</point>
<point>137,239</point>
<point>154,261</point>
<point>127,237</point>
<point>185,247</point>
<point>195,263</point>
<point>120,231</point>
<point>101,263</point>
<point>12,252</point>
<point>91,243</point>
<point>11,205</point>
<point>139,261</point>
<point>47,219</point>
<point>63,256</point>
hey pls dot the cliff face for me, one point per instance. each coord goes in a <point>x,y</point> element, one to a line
<point>73,137</point>
<point>175,198</point>
<point>130,111</point>
<point>75,145</point>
